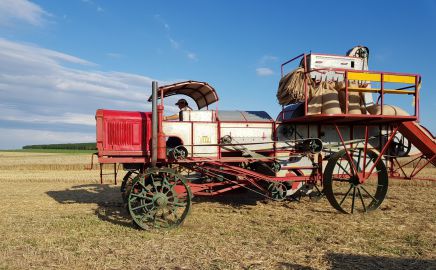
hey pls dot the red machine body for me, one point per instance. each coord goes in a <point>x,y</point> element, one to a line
<point>123,134</point>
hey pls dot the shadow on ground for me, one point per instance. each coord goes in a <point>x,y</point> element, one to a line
<point>340,261</point>
<point>110,207</point>
<point>236,198</point>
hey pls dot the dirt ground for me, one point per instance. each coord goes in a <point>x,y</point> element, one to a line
<point>54,214</point>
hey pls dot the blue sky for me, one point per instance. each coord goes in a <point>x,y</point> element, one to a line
<point>62,60</point>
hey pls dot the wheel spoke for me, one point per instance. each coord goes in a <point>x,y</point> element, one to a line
<point>352,202</point>
<point>364,189</point>
<point>340,179</point>
<point>358,161</point>
<point>152,182</point>
<point>346,194</point>
<point>339,163</point>
<point>367,164</point>
<point>142,185</point>
<point>141,206</point>
<point>361,199</point>
<point>140,196</point>
<point>178,204</point>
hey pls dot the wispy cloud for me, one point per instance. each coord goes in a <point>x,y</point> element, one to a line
<point>192,56</point>
<point>263,63</point>
<point>267,59</point>
<point>263,71</point>
<point>175,44</point>
<point>114,55</point>
<point>42,87</point>
<point>12,11</point>
<point>92,4</point>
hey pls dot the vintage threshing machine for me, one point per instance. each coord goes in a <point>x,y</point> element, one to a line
<point>332,140</point>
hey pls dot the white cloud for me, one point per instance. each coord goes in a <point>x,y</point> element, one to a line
<point>267,59</point>
<point>21,10</point>
<point>192,56</point>
<point>42,87</point>
<point>12,113</point>
<point>263,71</point>
<point>16,138</point>
<point>174,43</point>
<point>93,5</point>
<point>114,55</point>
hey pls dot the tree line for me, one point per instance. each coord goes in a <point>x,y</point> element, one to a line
<point>67,146</point>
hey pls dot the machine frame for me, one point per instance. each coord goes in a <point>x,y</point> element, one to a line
<point>161,182</point>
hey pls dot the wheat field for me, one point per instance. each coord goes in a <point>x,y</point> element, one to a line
<point>56,215</point>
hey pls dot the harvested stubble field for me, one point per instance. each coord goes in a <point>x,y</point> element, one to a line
<point>54,214</point>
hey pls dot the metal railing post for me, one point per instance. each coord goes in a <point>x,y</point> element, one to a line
<point>154,124</point>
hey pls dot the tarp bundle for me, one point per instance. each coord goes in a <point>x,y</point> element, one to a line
<point>291,87</point>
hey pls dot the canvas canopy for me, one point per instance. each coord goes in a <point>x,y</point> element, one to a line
<point>201,92</point>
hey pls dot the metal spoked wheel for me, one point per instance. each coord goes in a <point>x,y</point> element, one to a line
<point>126,185</point>
<point>159,198</point>
<point>277,191</point>
<point>348,184</point>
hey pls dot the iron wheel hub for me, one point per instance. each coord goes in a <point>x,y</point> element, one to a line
<point>160,199</point>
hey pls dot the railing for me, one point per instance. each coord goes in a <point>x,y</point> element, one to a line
<point>411,80</point>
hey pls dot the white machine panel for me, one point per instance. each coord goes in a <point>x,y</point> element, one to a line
<point>193,135</point>
<point>205,133</point>
<point>320,61</point>
<point>178,129</point>
<point>249,133</point>
<point>198,116</point>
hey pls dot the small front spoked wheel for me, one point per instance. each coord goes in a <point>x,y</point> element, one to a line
<point>159,198</point>
<point>348,184</point>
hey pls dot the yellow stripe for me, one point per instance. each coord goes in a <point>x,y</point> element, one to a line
<point>375,77</point>
<point>399,79</point>
<point>364,76</point>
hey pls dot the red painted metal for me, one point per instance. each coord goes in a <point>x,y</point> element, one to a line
<point>121,132</point>
<point>396,168</point>
<point>355,171</point>
<point>425,142</point>
<point>383,151</point>
<point>420,137</point>
<point>161,141</point>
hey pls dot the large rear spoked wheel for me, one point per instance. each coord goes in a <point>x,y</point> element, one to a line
<point>348,184</point>
<point>159,198</point>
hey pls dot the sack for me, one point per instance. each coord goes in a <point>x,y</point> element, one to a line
<point>356,104</point>
<point>330,99</point>
<point>387,110</point>
<point>315,100</point>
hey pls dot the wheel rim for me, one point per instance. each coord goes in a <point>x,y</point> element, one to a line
<point>348,189</point>
<point>277,191</point>
<point>126,185</point>
<point>159,198</point>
